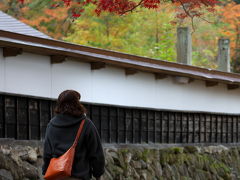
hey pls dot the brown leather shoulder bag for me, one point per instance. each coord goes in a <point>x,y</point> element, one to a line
<point>61,167</point>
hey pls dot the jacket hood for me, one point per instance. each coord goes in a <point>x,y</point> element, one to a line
<point>63,120</point>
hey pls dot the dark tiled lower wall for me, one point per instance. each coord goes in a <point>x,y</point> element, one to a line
<point>27,117</point>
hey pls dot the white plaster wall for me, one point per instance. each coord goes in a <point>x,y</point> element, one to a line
<point>72,75</point>
<point>2,76</point>
<point>31,74</point>
<point>108,84</point>
<point>195,96</point>
<point>111,86</point>
<point>28,74</point>
<point>142,90</point>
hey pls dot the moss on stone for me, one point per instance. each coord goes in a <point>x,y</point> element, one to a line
<point>117,170</point>
<point>191,149</point>
<point>145,154</point>
<point>177,150</point>
<point>185,178</point>
<point>175,163</point>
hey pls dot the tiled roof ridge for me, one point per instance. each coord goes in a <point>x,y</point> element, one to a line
<point>11,24</point>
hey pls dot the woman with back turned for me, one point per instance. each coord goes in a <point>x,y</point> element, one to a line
<point>61,132</point>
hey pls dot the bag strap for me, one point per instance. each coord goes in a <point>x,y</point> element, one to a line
<point>78,134</point>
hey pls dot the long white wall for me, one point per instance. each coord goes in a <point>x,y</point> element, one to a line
<point>31,74</point>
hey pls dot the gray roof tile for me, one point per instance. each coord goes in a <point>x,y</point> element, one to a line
<point>8,23</point>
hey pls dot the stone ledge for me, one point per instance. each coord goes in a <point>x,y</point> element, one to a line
<point>22,160</point>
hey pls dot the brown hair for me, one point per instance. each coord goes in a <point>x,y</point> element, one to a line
<point>69,103</point>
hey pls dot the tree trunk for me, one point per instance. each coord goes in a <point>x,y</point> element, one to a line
<point>236,56</point>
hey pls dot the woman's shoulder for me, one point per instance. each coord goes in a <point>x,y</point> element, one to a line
<point>89,125</point>
<point>88,122</point>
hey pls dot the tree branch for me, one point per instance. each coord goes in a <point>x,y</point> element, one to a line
<point>130,10</point>
<point>186,11</point>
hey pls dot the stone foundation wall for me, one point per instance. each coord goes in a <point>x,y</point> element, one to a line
<point>22,160</point>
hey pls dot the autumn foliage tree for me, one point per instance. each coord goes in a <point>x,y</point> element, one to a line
<point>145,33</point>
<point>53,23</point>
<point>231,16</point>
<point>54,17</point>
<point>125,33</point>
<point>38,14</point>
<point>189,8</point>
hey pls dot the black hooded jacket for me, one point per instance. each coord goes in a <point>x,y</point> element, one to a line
<point>60,134</point>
